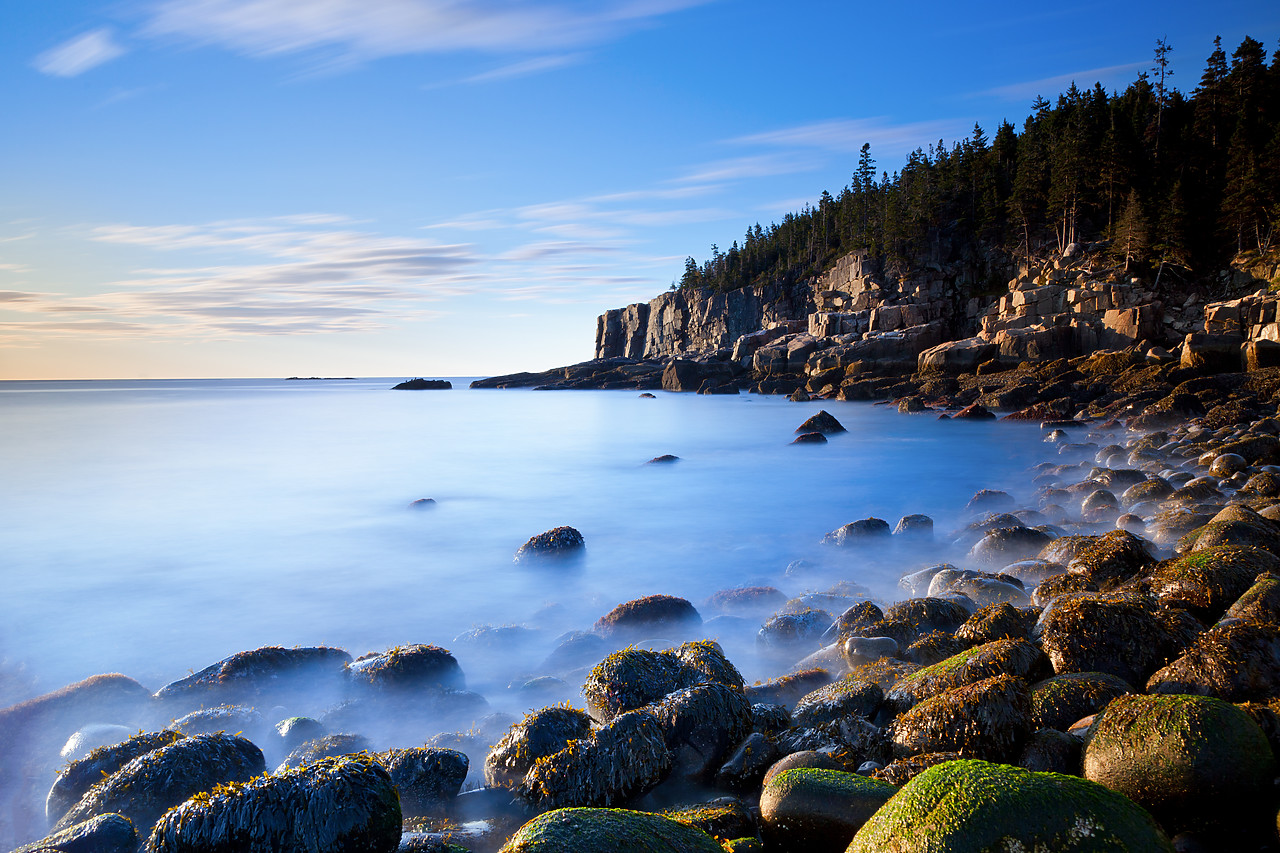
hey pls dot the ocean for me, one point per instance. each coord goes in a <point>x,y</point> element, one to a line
<point>154,527</point>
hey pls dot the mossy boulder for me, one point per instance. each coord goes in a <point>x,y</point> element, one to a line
<point>1063,700</point>
<point>1237,662</point>
<point>327,746</point>
<point>707,662</point>
<point>746,601</point>
<point>650,616</point>
<point>1052,587</point>
<point>1111,559</point>
<point>147,786</point>
<point>1154,489</point>
<point>78,777</point>
<point>623,759</point>
<point>1206,582</point>
<point>862,615</point>
<point>338,804</point>
<point>107,833</point>
<point>1260,602</point>
<point>1194,762</point>
<point>724,819</point>
<point>1234,525</point>
<point>1116,633</point>
<point>793,632</point>
<point>819,810</point>
<point>406,669</point>
<point>263,676</point>
<point>541,733</point>
<point>978,807</point>
<point>988,719</point>
<point>594,830</point>
<point>999,657</point>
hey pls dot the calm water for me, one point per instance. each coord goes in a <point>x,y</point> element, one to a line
<point>153,527</point>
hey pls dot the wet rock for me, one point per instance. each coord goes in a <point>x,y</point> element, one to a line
<point>1237,662</point>
<point>786,690</point>
<point>813,809</point>
<point>1000,621</point>
<point>327,746</point>
<point>1058,702</point>
<point>724,819</point>
<point>426,778</point>
<point>1058,585</point>
<point>1154,489</point>
<point>746,765</point>
<point>981,589</point>
<point>701,724</point>
<point>838,699</point>
<point>295,731</point>
<point>147,786</point>
<point>407,669</point>
<point>769,719</point>
<point>746,600</point>
<point>1035,571</point>
<point>988,500</point>
<point>902,770</point>
<point>790,632</point>
<point>810,438</point>
<point>94,736</point>
<point>651,616</point>
<point>914,527</point>
<point>928,614</point>
<point>972,806</point>
<point>862,615</point>
<point>108,833</point>
<point>621,760</point>
<point>1051,751</point>
<point>1264,484</point>
<point>1194,762</point>
<point>575,649</point>
<point>1234,525</point>
<point>630,679</point>
<point>590,830</point>
<point>335,805</point>
<point>987,719</point>
<point>1005,545</point>
<point>423,385</point>
<point>422,503</point>
<point>1227,464</point>
<point>1260,602</point>
<point>858,532</point>
<point>821,423</point>
<point>974,411</point>
<point>1207,582</point>
<point>664,459</point>
<point>1111,559</point>
<point>1001,657</point>
<point>557,543</point>
<point>859,650</point>
<point>1098,632</point>
<point>223,718</point>
<point>263,676</point>
<point>78,777</point>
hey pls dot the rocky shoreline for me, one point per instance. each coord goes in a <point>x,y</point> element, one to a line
<point>1098,669</point>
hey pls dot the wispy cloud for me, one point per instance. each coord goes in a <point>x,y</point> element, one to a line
<point>737,168</point>
<point>79,54</point>
<point>537,65</point>
<point>1048,85</point>
<point>847,136</point>
<point>360,30</point>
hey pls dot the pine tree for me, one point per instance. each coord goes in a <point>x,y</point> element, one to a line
<point>1130,240</point>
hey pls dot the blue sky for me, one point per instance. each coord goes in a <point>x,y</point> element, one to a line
<point>201,188</point>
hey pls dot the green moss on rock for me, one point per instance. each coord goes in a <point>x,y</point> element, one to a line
<point>999,657</point>
<point>723,820</point>
<point>589,830</point>
<point>977,807</point>
<point>815,809</point>
<point>1260,602</point>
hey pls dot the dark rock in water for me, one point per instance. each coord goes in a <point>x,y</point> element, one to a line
<point>651,616</point>
<point>647,396</point>
<point>1117,634</point>
<point>789,632</point>
<point>588,830</point>
<point>1205,583</point>
<point>108,833</point>
<point>746,600</point>
<point>1005,545</point>
<point>914,527</point>
<point>701,724</point>
<point>769,719</point>
<point>1058,702</point>
<point>323,747</point>
<point>78,777</point>
<point>630,679</point>
<point>260,676</point>
<point>836,700</point>
<point>973,806</point>
<point>407,669</point>
<point>575,649</point>
<point>999,657</point>
<point>422,503</point>
<point>296,731</point>
<point>423,385</point>
<point>819,810</point>
<point>988,719</point>
<point>333,806</point>
<point>989,500</point>
<point>928,614</point>
<point>427,778</point>
<point>664,459</point>
<point>974,411</point>
<point>1057,585</point>
<point>240,719</point>
<point>745,767</point>
<point>1051,751</point>
<point>154,782</point>
<point>786,690</point>
<point>1194,762</point>
<point>810,438</point>
<point>856,618</point>
<point>559,542</point>
<point>724,819</point>
<point>684,375</point>
<point>821,423</point>
<point>621,760</point>
<point>858,532</point>
<point>1232,661</point>
<point>541,733</point>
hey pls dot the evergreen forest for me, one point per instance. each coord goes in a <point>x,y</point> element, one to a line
<point>1184,182</point>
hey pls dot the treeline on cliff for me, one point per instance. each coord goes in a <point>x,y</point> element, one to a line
<point>1171,179</point>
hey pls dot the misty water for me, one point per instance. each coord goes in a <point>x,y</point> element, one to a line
<point>154,527</point>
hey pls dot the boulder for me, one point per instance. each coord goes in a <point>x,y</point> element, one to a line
<point>987,719</point>
<point>559,543</point>
<point>684,375</point>
<point>593,830</point>
<point>630,679</point>
<point>1097,632</point>
<point>268,675</point>
<point>1207,353</point>
<point>1235,661</point>
<point>816,809</point>
<point>1260,602</point>
<point>1206,582</point>
<point>1005,545</point>
<point>858,532</point>
<point>821,422</point>
<point>956,357</point>
<point>836,700</point>
<point>651,616</point>
<point>423,385</point>
<point>1059,702</point>
<point>426,778</point>
<point>406,669</point>
<point>108,833</point>
<point>78,777</point>
<point>1000,657</point>
<point>701,724</point>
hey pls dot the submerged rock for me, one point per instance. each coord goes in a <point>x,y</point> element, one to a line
<point>821,422</point>
<point>858,532</point>
<point>559,542</point>
<point>973,806</point>
<point>332,806</point>
<point>407,669</point>
<point>265,675</point>
<point>594,830</point>
<point>651,616</point>
<point>1005,545</point>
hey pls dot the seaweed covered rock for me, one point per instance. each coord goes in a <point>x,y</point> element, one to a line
<point>1061,701</point>
<point>701,724</point>
<point>1194,762</point>
<point>855,618</point>
<point>558,543</point>
<point>1005,545</point>
<point>706,661</point>
<point>621,760</point>
<point>858,532</point>
<point>596,830</point>
<point>988,719</point>
<point>651,616</point>
<point>786,690</point>
<point>1234,661</point>
<point>147,786</point>
<point>1234,525</point>
<point>326,746</point>
<point>1111,559</point>
<point>263,676</point>
<point>932,648</point>
<point>838,699</point>
<point>630,679</point>
<point>295,731</point>
<point>902,770</point>
<point>860,650</point>
<point>78,777</point>
<point>724,819</point>
<point>1260,602</point>
<point>975,806</point>
<point>820,810</point>
<point>426,778</point>
<point>335,805</point>
<point>1100,632</point>
<point>789,632</point>
<point>1000,621</point>
<point>1206,582</point>
<point>928,614</point>
<point>999,657</point>
<point>746,765</point>
<point>541,733</point>
<point>241,719</point>
<point>407,669</point>
<point>747,600</point>
<point>107,833</point>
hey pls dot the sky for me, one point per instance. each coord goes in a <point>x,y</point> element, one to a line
<point>241,188</point>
